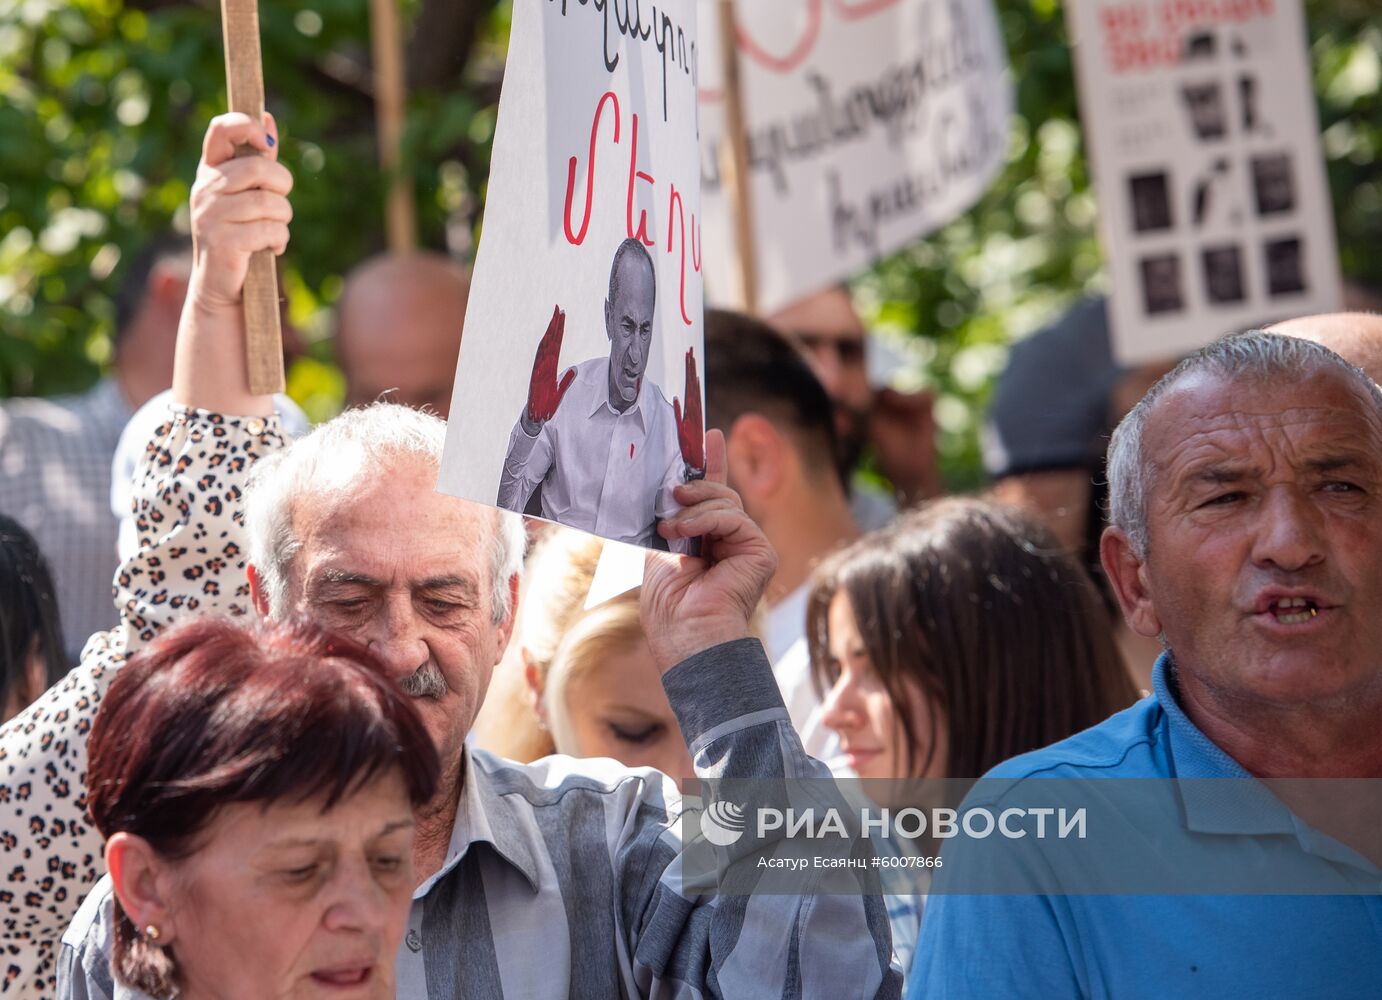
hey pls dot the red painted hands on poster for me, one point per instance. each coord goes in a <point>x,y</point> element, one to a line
<point>544,392</point>
<point>691,424</point>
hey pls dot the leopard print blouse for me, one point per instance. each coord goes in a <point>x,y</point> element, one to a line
<point>188,506</point>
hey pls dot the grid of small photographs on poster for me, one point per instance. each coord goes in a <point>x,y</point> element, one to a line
<point>1216,214</point>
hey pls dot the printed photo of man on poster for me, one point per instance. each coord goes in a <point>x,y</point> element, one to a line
<point>600,448</point>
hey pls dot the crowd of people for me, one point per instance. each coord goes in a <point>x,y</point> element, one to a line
<point>340,734</point>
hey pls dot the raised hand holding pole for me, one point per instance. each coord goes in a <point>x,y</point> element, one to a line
<point>245,90</point>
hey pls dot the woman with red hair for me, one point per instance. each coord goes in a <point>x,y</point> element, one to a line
<point>255,788</point>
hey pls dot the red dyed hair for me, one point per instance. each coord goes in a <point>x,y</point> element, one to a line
<point>216,712</point>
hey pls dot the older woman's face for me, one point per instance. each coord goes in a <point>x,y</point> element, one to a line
<point>619,709</point>
<point>288,901</point>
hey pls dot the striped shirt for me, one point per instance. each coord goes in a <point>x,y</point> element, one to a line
<point>561,877</point>
<point>55,457</point>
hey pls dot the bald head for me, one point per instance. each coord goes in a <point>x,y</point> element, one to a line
<point>1354,336</point>
<point>399,329</point>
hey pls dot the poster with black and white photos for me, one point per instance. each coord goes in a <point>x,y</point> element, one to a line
<point>1214,208</point>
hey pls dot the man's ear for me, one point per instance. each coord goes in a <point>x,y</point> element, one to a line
<point>1127,573</point>
<point>141,882</point>
<point>609,320</point>
<point>536,688</point>
<point>257,593</point>
<point>756,453</point>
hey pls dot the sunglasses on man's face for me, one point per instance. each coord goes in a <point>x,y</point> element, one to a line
<point>849,349</point>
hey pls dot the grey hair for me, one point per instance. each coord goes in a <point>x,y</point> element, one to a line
<point>365,437</point>
<point>1255,354</point>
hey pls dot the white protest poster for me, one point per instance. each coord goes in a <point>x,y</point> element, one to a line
<point>869,124</point>
<point>577,396</point>
<point>1214,206</point>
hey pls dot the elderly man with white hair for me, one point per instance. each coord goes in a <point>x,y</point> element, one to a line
<point>559,879</point>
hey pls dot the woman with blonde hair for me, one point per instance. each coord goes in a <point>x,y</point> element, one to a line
<point>602,696</point>
<point>556,583</point>
<point>579,681</point>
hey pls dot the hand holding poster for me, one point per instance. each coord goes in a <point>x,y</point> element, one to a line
<point>1215,213</point>
<point>869,123</point>
<point>577,396</point>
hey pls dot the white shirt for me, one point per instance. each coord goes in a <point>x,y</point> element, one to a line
<point>785,622</point>
<point>600,470</point>
<point>785,643</point>
<point>804,706</point>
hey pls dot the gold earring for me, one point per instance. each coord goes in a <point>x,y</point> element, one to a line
<point>152,933</point>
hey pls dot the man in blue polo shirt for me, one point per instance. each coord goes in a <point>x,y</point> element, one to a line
<point>1246,509</point>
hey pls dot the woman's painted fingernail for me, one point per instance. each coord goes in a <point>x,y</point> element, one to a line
<point>272,144</point>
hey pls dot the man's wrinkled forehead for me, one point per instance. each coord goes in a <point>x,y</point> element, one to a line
<point>1206,413</point>
<point>387,523</point>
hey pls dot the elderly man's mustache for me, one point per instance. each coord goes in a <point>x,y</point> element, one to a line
<point>425,682</point>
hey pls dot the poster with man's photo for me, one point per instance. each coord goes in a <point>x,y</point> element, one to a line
<point>577,395</point>
<point>1201,125</point>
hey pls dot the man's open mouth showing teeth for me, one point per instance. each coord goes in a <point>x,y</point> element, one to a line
<point>1294,610</point>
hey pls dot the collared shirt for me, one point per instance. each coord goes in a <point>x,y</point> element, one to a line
<point>191,558</point>
<point>561,879</point>
<point>1155,946</point>
<point>600,470</point>
<point>55,457</point>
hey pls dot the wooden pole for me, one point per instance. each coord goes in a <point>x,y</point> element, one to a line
<point>734,160</point>
<point>389,103</point>
<point>245,89</point>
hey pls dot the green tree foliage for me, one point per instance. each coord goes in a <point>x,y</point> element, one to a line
<point>103,104</point>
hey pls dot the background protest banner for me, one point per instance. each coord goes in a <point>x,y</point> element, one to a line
<point>869,123</point>
<point>577,394</point>
<point>1215,212</point>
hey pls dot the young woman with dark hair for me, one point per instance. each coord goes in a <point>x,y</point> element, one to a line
<point>255,787</point>
<point>31,655</point>
<point>957,637</point>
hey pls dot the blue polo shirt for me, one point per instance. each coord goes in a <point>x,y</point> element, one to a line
<point>1154,945</point>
